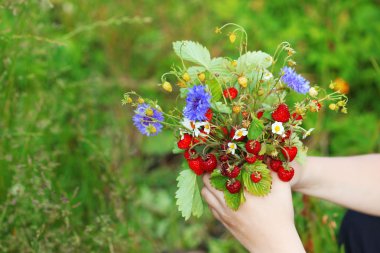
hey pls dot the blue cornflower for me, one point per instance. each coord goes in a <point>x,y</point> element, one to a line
<point>295,81</point>
<point>148,120</point>
<point>197,103</point>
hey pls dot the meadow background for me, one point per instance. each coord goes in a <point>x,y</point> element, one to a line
<point>74,174</point>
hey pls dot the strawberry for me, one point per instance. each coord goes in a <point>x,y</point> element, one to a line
<point>260,157</point>
<point>209,115</point>
<point>284,174</point>
<point>233,186</point>
<point>259,114</point>
<point>275,164</point>
<point>281,114</point>
<point>245,114</point>
<point>185,143</point>
<point>296,116</point>
<point>189,153</point>
<point>250,158</point>
<point>224,158</point>
<point>195,165</point>
<point>224,130</point>
<point>230,172</point>
<point>256,177</point>
<point>289,153</point>
<point>253,147</point>
<point>232,134</point>
<point>230,93</point>
<point>210,163</point>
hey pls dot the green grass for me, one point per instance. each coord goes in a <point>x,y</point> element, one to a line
<point>74,174</point>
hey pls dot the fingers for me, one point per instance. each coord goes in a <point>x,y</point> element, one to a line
<point>218,194</point>
<point>210,198</point>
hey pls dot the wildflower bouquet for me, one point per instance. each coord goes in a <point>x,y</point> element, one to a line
<point>236,122</point>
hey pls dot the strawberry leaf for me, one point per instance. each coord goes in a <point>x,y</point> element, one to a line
<point>215,89</point>
<point>233,200</point>
<point>193,52</point>
<point>218,181</point>
<point>255,129</point>
<point>220,107</point>
<point>188,196</point>
<point>261,188</point>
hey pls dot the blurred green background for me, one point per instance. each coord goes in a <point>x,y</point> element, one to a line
<point>74,174</point>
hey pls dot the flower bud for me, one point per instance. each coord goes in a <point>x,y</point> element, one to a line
<point>167,86</point>
<point>313,92</point>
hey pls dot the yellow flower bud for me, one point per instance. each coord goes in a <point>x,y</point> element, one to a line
<point>232,37</point>
<point>202,76</point>
<point>333,107</point>
<point>186,77</point>
<point>167,86</point>
<point>243,81</point>
<point>140,100</point>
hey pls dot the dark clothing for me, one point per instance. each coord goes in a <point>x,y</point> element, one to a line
<point>360,233</point>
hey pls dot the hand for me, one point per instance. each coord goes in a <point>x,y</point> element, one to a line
<point>261,224</point>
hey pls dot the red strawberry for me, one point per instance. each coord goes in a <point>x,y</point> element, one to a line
<point>196,165</point>
<point>281,114</point>
<point>185,143</point>
<point>296,116</point>
<point>245,114</point>
<point>253,147</point>
<point>189,154</point>
<point>223,158</point>
<point>289,153</point>
<point>230,93</point>
<point>230,172</point>
<point>233,186</point>
<point>318,104</point>
<point>250,158</point>
<point>285,175</point>
<point>259,114</point>
<point>209,115</point>
<point>232,134</point>
<point>260,157</point>
<point>234,172</point>
<point>256,177</point>
<point>275,164</point>
<point>210,163</point>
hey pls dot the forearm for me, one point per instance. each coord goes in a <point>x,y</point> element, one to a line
<point>353,182</point>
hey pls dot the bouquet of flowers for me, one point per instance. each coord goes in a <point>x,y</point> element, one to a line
<point>235,122</point>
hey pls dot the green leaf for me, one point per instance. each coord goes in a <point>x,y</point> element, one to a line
<point>188,196</point>
<point>219,67</point>
<point>215,89</point>
<point>261,188</point>
<point>255,129</point>
<point>233,200</point>
<point>220,107</point>
<point>218,181</point>
<point>193,52</point>
<point>253,60</point>
<point>194,71</point>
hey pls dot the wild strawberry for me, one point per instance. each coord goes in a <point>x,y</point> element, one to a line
<point>285,175</point>
<point>288,133</point>
<point>233,186</point>
<point>196,165</point>
<point>224,158</point>
<point>245,114</point>
<point>230,93</point>
<point>275,164</point>
<point>185,143</point>
<point>260,157</point>
<point>210,163</point>
<point>256,177</point>
<point>259,114</point>
<point>250,158</point>
<point>209,115</point>
<point>316,107</point>
<point>289,153</point>
<point>232,134</point>
<point>234,172</point>
<point>243,81</point>
<point>281,114</point>
<point>253,147</point>
<point>229,171</point>
<point>296,116</point>
<point>224,130</point>
<point>190,153</point>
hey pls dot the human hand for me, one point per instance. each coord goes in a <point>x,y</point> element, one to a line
<point>261,224</point>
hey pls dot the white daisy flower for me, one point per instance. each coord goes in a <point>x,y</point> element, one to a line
<point>278,128</point>
<point>231,148</point>
<point>240,133</point>
<point>206,127</point>
<point>267,75</point>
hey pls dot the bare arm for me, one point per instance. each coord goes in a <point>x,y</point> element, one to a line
<point>353,182</point>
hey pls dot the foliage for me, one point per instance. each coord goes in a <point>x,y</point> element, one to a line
<point>74,177</point>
